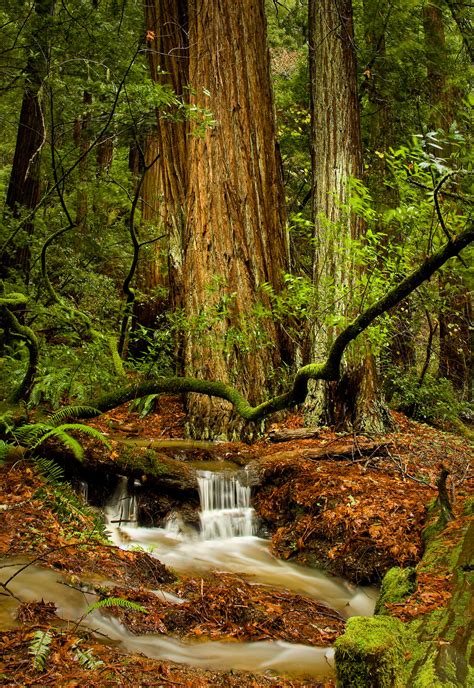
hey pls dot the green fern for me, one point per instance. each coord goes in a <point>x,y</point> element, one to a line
<point>86,659</point>
<point>39,648</point>
<point>33,435</point>
<point>116,602</point>
<point>68,412</point>
<point>5,447</point>
<point>50,471</point>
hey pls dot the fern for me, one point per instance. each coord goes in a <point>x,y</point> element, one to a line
<point>86,659</point>
<point>116,602</point>
<point>51,472</point>
<point>39,648</point>
<point>4,449</point>
<point>72,412</point>
<point>33,435</point>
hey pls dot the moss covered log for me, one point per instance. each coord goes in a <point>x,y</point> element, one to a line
<point>329,371</point>
<point>371,652</point>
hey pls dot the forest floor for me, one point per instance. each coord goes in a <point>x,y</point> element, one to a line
<point>354,505</point>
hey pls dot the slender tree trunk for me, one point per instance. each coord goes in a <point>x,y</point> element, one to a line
<point>168,50</point>
<point>236,240</point>
<point>455,317</point>
<point>23,191</point>
<point>336,157</point>
<point>82,142</point>
<point>152,279</point>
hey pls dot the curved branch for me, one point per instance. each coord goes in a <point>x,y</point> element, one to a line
<point>330,370</point>
<point>16,329</point>
<point>127,289</point>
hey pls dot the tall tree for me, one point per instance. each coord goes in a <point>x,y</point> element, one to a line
<point>336,157</point>
<point>455,316</point>
<point>166,23</point>
<point>24,185</point>
<point>235,241</point>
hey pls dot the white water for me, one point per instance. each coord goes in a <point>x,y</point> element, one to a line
<point>122,506</point>
<point>226,544</point>
<point>225,506</point>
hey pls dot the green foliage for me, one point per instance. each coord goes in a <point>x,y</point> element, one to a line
<point>116,602</point>
<point>86,658</point>
<point>39,648</point>
<point>34,434</point>
<point>433,401</point>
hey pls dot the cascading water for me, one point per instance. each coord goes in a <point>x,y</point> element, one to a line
<point>122,506</point>
<point>226,542</point>
<point>225,506</point>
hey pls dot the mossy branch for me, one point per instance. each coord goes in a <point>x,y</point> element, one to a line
<point>16,329</point>
<point>330,370</point>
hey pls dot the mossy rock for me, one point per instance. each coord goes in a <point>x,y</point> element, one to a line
<point>398,583</point>
<point>370,654</point>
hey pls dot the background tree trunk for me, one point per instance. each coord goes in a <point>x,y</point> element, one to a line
<point>236,240</point>
<point>455,317</point>
<point>24,186</point>
<point>168,50</point>
<point>336,157</point>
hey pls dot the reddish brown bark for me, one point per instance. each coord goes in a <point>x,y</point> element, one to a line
<point>235,238</point>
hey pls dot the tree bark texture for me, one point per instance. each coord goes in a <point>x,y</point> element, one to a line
<point>336,157</point>
<point>235,239</point>
<point>166,22</point>
<point>152,265</point>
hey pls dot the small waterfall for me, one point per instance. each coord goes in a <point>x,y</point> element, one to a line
<point>122,506</point>
<point>225,506</point>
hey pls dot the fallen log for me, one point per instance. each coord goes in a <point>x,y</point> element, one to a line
<point>288,434</point>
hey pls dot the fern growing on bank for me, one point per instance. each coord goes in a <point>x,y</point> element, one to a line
<point>116,602</point>
<point>39,648</point>
<point>33,435</point>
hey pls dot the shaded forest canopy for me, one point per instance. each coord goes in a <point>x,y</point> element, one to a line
<point>253,205</point>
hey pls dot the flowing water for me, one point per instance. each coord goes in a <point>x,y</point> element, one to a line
<point>226,542</point>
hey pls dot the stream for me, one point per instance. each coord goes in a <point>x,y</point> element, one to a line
<point>226,542</point>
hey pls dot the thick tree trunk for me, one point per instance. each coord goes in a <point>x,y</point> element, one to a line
<point>236,240</point>
<point>24,186</point>
<point>336,157</point>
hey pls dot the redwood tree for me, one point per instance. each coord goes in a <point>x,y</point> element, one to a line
<point>336,157</point>
<point>24,186</point>
<point>222,198</point>
<point>235,240</point>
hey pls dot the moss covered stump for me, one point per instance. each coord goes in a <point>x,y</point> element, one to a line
<point>370,654</point>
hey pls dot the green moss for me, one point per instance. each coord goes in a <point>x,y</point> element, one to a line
<point>370,654</point>
<point>397,584</point>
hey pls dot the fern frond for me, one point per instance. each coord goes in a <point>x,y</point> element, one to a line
<point>66,439</point>
<point>86,429</point>
<point>116,602</point>
<point>85,658</point>
<point>4,449</point>
<point>51,472</point>
<point>39,649</point>
<point>76,411</point>
<point>29,434</point>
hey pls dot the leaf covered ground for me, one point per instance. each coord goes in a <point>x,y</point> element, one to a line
<point>352,504</point>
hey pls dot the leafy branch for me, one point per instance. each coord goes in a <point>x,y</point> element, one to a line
<point>329,370</point>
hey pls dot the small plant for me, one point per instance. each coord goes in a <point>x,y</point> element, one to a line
<point>85,658</point>
<point>39,648</point>
<point>33,435</point>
